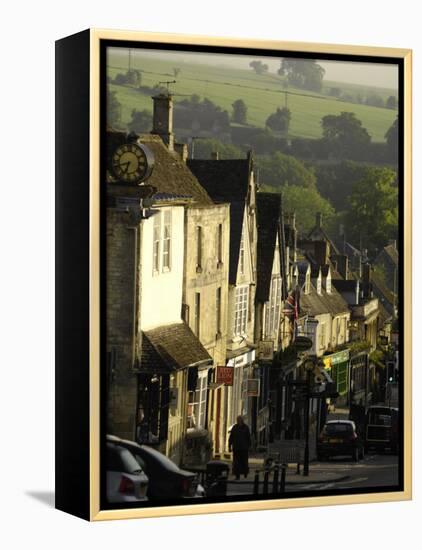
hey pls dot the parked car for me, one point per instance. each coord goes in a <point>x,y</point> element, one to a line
<point>126,480</point>
<point>339,437</point>
<point>381,430</point>
<point>166,479</point>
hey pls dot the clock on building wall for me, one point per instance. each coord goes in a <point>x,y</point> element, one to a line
<point>132,162</point>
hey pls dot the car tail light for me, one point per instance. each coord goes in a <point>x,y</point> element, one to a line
<point>126,486</point>
<point>352,437</point>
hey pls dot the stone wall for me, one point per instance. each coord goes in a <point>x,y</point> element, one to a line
<point>209,277</point>
<point>121,327</point>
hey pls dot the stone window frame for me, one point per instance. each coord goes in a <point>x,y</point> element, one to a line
<point>241,310</point>
<point>156,243</point>
<point>167,241</point>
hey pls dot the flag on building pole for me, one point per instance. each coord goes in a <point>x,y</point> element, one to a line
<point>291,309</point>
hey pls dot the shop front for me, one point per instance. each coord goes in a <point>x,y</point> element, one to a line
<point>337,366</point>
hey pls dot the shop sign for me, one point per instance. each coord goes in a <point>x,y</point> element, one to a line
<point>265,350</point>
<point>252,387</point>
<point>225,375</point>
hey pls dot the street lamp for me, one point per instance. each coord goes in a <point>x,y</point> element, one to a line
<point>309,368</point>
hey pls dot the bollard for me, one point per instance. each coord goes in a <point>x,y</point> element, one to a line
<point>265,488</point>
<point>275,480</point>
<point>256,483</point>
<point>283,479</point>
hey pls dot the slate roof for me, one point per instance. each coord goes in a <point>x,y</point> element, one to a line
<point>171,347</point>
<point>227,181</point>
<point>268,223</point>
<point>319,234</point>
<point>391,252</point>
<point>224,180</point>
<point>170,174</point>
<point>315,304</point>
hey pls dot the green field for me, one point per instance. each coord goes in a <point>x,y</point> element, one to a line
<point>261,93</point>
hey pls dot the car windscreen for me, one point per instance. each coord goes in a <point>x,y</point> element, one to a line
<point>380,417</point>
<point>331,429</point>
<point>120,459</point>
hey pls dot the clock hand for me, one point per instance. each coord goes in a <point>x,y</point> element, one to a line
<point>126,164</point>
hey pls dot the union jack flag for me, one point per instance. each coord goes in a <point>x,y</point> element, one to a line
<point>291,306</point>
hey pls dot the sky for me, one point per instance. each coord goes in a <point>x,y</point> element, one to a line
<point>368,74</point>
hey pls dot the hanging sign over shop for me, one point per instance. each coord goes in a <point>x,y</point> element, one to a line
<point>225,375</point>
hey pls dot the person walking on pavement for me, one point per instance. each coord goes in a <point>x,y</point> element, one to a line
<point>240,442</point>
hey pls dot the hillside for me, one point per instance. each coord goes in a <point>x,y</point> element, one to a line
<point>262,94</point>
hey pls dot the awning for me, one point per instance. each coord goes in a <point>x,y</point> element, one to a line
<point>171,348</point>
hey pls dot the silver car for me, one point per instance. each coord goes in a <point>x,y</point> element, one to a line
<point>126,481</point>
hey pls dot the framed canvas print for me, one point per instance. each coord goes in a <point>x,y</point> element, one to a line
<point>233,274</point>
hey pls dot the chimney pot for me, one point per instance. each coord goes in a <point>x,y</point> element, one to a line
<point>162,120</point>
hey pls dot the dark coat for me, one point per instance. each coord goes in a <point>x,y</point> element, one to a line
<point>240,437</point>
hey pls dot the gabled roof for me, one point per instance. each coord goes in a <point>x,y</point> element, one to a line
<point>391,252</point>
<point>227,181</point>
<point>318,304</point>
<point>319,234</point>
<point>170,175</point>
<point>224,180</point>
<point>171,347</point>
<point>268,224</point>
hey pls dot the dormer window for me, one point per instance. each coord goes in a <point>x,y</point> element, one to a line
<point>328,283</point>
<point>319,285</point>
<point>308,282</point>
<point>242,255</point>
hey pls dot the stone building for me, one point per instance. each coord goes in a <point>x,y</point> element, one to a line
<point>232,181</point>
<point>272,328</point>
<point>151,373</point>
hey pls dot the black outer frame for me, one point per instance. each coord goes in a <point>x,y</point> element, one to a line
<point>72,474</point>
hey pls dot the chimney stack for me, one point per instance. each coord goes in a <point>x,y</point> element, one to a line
<point>343,265</point>
<point>367,281</point>
<point>182,150</point>
<point>319,220</point>
<point>321,252</point>
<point>162,120</point>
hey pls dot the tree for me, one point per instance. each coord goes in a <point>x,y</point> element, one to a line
<point>133,77</point>
<point>280,120</point>
<point>302,73</point>
<point>205,147</point>
<point>240,111</point>
<point>307,203</point>
<point>279,170</point>
<point>141,121</point>
<point>392,138</point>
<point>391,102</point>
<point>335,92</point>
<point>259,67</point>
<point>120,79</point>
<point>114,110</point>
<point>373,215</point>
<point>374,100</point>
<point>344,135</point>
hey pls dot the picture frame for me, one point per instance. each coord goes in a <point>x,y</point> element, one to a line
<point>86,371</point>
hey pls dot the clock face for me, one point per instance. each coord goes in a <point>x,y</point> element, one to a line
<point>130,163</point>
